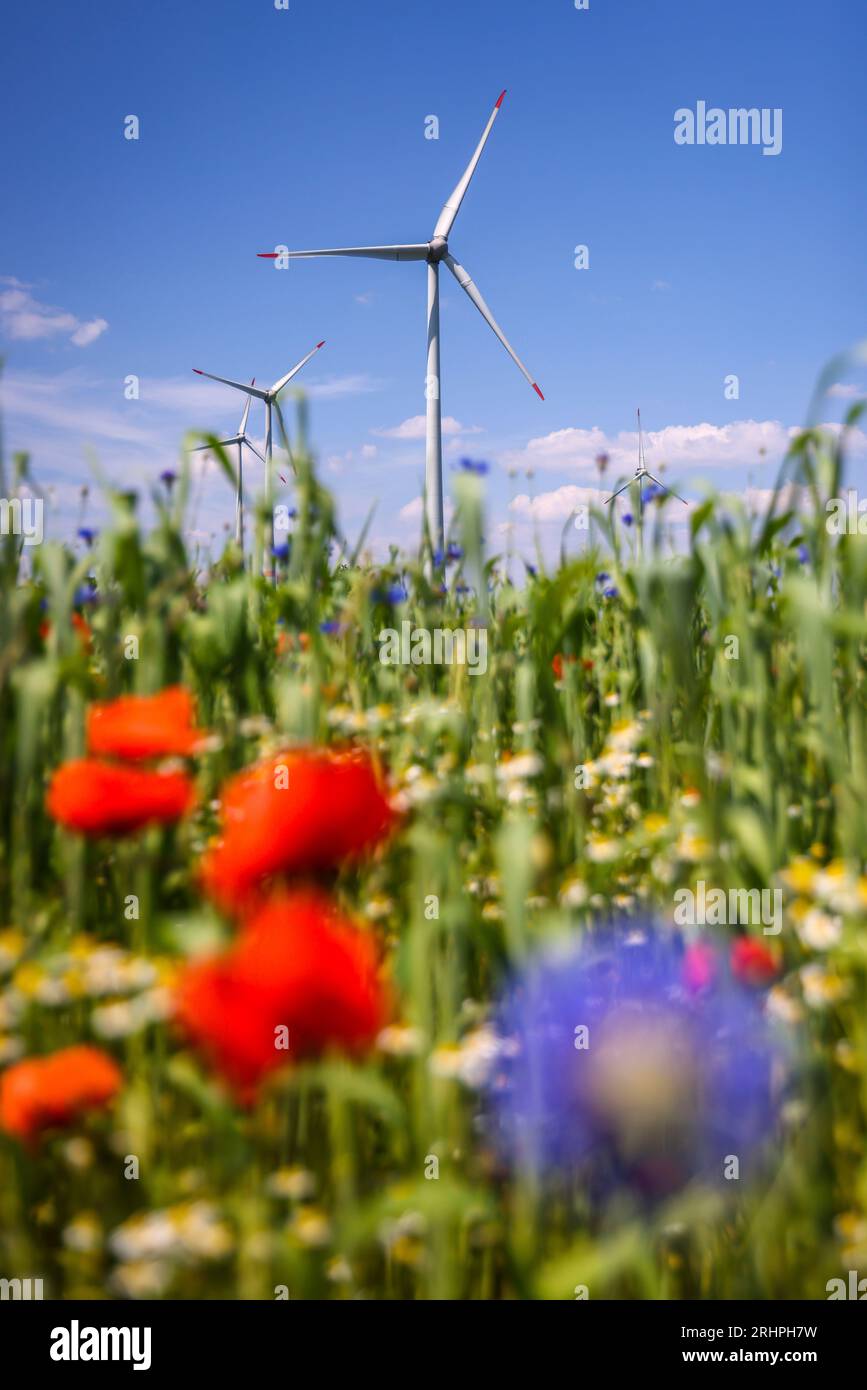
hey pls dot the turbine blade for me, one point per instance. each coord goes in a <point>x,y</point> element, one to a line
<point>416,252</point>
<point>238,385</point>
<point>450,211</point>
<point>618,492</point>
<point>242,428</point>
<point>666,488</point>
<point>467,284</point>
<point>278,385</point>
<point>253,449</point>
<point>222,443</point>
<point>284,436</point>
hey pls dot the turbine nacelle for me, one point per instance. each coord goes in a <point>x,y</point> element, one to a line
<point>438,250</point>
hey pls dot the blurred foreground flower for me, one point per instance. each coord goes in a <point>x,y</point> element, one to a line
<point>622,1065</point>
<point>299,980</point>
<point>301,811</point>
<point>97,798</point>
<point>44,1092</point>
<point>144,726</point>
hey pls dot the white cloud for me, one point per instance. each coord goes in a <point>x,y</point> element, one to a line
<point>682,448</point>
<point>369,451</point>
<point>24,319</point>
<point>557,505</point>
<point>414,509</point>
<point>845,390</point>
<point>661,285</point>
<point>414,428</point>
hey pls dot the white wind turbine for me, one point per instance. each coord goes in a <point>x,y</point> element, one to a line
<point>240,438</point>
<point>435,251</point>
<point>641,472</point>
<point>269,396</point>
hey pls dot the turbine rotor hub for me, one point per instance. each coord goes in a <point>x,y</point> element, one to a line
<point>439,249</point>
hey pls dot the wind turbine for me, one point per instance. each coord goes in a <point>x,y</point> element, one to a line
<point>642,472</point>
<point>240,438</point>
<point>269,396</point>
<point>434,252</point>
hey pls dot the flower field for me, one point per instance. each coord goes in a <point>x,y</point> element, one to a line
<point>323,977</point>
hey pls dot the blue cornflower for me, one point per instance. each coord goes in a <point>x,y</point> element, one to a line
<point>602,577</point>
<point>628,518</point>
<point>454,553</point>
<point>169,478</point>
<point>531,569</point>
<point>651,492</point>
<point>472,466</point>
<point>462,588</point>
<point>330,627</point>
<point>86,593</point>
<point>803,554</point>
<point>611,592</point>
<point>611,1060</point>
<point>438,559</point>
<point>281,551</point>
<point>87,534</point>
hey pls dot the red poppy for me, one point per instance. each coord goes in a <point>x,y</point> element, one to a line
<point>144,726</point>
<point>752,962</point>
<point>299,812</point>
<point>300,979</point>
<point>98,798</point>
<point>557,664</point>
<point>47,1092</point>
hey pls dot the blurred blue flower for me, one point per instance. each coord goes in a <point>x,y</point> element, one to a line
<point>462,588</point>
<point>169,478</point>
<point>531,569</point>
<point>394,594</point>
<point>602,577</point>
<point>611,592</point>
<point>472,466</point>
<point>87,534</point>
<point>454,553</point>
<point>438,558</point>
<point>330,627</point>
<point>803,554</point>
<point>651,492</point>
<point>281,551</point>
<point>628,518</point>
<point>85,593</point>
<point>609,1060</point>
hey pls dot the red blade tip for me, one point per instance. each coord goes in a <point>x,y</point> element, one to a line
<point>267,255</point>
<point>500,98</point>
<point>538,392</point>
<point>198,371</point>
<point>322,344</point>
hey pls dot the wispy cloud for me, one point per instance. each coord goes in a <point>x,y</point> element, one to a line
<point>358,385</point>
<point>23,318</point>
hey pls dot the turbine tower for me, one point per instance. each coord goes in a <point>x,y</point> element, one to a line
<point>435,252</point>
<point>269,396</point>
<point>241,438</point>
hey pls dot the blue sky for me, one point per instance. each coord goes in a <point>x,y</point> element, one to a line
<point>307,127</point>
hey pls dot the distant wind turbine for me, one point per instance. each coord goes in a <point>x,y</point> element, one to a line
<point>642,472</point>
<point>241,438</point>
<point>435,251</point>
<point>269,396</point>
